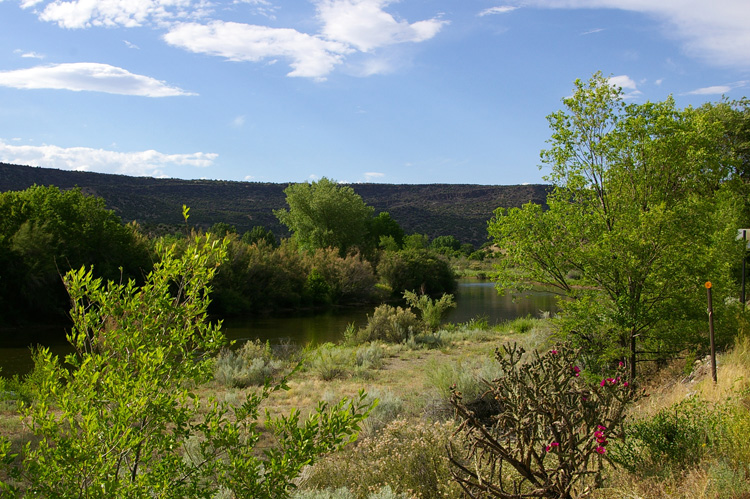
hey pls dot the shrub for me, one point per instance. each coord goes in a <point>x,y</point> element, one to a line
<point>673,439</point>
<point>408,456</point>
<point>546,435</point>
<point>432,311</point>
<point>370,356</point>
<point>390,324</point>
<point>330,361</point>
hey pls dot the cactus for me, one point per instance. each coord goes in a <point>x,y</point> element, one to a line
<point>548,432</point>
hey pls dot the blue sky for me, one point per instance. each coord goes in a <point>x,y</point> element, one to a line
<point>409,91</point>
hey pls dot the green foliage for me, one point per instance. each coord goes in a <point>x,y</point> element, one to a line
<point>45,232</point>
<point>259,233</point>
<point>325,214</point>
<point>390,324</point>
<point>383,226</point>
<point>413,269</point>
<point>547,432</point>
<point>432,311</point>
<point>673,439</point>
<point>118,419</point>
<point>417,241</point>
<point>639,218</point>
<point>252,364</point>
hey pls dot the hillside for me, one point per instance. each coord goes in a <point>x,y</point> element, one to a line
<point>461,210</point>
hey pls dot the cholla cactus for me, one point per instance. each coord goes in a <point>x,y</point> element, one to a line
<point>548,433</point>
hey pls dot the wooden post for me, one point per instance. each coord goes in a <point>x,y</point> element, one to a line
<point>711,332</point>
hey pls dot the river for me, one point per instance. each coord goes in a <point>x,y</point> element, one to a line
<point>474,299</point>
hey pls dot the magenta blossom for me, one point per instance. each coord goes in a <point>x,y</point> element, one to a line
<point>553,352</point>
<point>601,450</point>
<point>576,370</point>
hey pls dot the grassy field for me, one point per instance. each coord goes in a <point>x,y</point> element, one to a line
<point>688,437</point>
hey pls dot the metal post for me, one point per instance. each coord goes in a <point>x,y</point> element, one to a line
<point>744,258</point>
<point>711,331</point>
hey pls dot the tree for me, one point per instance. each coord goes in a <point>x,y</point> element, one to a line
<point>383,226</point>
<point>119,421</point>
<point>638,220</point>
<point>416,270</point>
<point>325,214</point>
<point>44,232</point>
<point>259,233</point>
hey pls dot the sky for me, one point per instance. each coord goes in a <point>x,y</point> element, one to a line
<point>400,92</point>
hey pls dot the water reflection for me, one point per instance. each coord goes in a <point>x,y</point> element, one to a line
<point>474,299</point>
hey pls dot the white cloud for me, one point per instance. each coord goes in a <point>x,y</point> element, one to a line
<point>30,55</point>
<point>141,163</point>
<point>623,81</point>
<point>715,31</point>
<point>110,13</point>
<point>718,89</point>
<point>238,121</point>
<point>131,45</point>
<point>714,90</point>
<point>261,7</point>
<point>88,76</point>
<point>592,31</point>
<point>365,25</point>
<point>503,9</point>
<point>370,176</point>
<point>627,84</point>
<point>310,56</point>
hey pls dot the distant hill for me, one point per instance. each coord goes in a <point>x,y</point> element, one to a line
<point>461,210</point>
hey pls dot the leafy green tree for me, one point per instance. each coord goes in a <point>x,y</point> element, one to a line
<point>325,214</point>
<point>417,241</point>
<point>383,226</point>
<point>221,229</point>
<point>445,243</point>
<point>260,233</point>
<point>639,212</point>
<point>413,270</point>
<point>118,420</point>
<point>44,232</point>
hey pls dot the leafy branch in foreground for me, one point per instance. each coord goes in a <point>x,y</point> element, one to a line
<point>548,432</point>
<point>119,420</point>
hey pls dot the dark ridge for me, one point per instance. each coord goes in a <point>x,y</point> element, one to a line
<point>460,210</point>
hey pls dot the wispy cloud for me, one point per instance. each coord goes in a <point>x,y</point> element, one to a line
<point>717,89</point>
<point>142,163</point>
<point>29,55</point>
<point>592,31</point>
<point>372,176</point>
<point>715,31</point>
<point>238,121</point>
<point>627,84</point>
<point>131,45</point>
<point>502,9</point>
<point>76,14</point>
<point>365,24</point>
<point>88,76</point>
<point>310,56</point>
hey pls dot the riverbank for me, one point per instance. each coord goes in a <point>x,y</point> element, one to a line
<point>401,449</point>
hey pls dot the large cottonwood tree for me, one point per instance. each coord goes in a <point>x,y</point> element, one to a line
<point>325,214</point>
<point>638,220</point>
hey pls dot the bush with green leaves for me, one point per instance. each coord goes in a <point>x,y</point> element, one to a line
<point>547,433</point>
<point>252,364</point>
<point>118,419</point>
<point>432,311</point>
<point>675,438</point>
<point>390,324</point>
